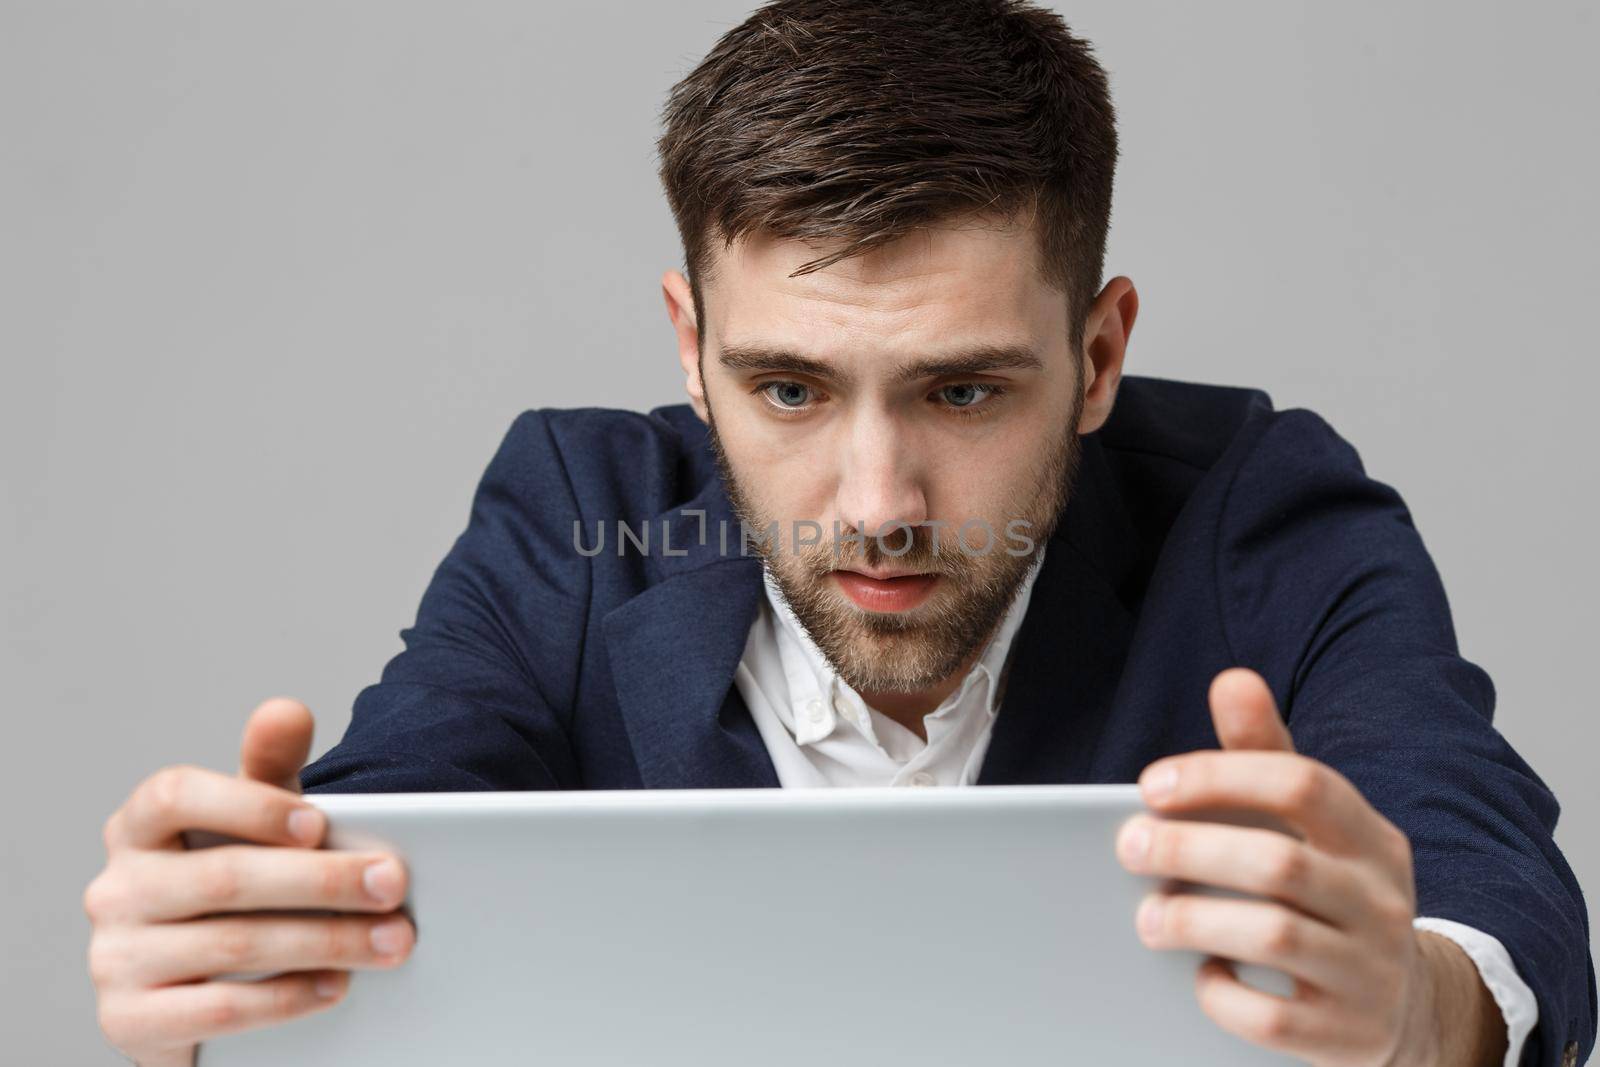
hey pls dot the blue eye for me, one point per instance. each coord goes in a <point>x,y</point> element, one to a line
<point>969,397</point>
<point>787,395</point>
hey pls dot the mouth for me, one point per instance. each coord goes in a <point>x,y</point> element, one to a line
<point>888,592</point>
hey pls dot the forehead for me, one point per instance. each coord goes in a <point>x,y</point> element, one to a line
<point>974,279</point>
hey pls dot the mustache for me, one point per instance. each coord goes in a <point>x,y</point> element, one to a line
<point>905,547</point>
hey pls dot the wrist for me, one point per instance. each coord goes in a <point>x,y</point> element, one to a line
<point>1455,1022</point>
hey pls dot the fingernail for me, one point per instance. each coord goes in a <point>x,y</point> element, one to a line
<point>1149,917</point>
<point>328,986</point>
<point>389,937</point>
<point>382,880</point>
<point>1135,841</point>
<point>305,825</point>
<point>1159,782</point>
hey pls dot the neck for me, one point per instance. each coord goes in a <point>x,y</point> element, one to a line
<point>909,708</point>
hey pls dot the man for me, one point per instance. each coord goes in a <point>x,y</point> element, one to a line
<point>981,555</point>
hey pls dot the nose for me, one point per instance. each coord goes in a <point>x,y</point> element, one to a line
<point>880,483</point>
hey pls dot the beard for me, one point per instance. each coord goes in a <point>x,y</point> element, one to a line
<point>903,652</point>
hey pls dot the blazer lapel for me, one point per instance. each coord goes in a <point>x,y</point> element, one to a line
<point>1067,660</point>
<point>675,647</point>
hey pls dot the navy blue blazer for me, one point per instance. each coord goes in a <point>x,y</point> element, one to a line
<point>1206,530</point>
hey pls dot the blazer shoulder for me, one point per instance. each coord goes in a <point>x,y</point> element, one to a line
<point>615,462</point>
<point>1166,441</point>
<point>1191,424</point>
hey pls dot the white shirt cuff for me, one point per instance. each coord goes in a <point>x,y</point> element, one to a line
<point>1499,974</point>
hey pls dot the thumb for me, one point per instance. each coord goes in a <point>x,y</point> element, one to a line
<point>277,740</point>
<point>1245,714</point>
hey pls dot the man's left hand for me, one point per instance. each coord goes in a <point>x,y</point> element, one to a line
<point>1369,989</point>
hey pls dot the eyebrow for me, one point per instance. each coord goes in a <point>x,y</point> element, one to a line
<point>977,360</point>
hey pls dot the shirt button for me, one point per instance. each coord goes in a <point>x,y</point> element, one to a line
<point>814,711</point>
<point>922,778</point>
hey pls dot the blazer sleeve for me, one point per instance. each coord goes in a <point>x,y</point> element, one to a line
<point>1329,593</point>
<point>479,697</point>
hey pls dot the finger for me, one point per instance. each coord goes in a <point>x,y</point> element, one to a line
<point>1306,794</point>
<point>1254,931</point>
<point>1303,1026</point>
<point>185,797</point>
<point>149,955</point>
<point>1247,860</point>
<point>177,1015</point>
<point>1244,713</point>
<point>277,740</point>
<point>166,886</point>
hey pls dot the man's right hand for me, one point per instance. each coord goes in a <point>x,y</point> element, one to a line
<point>167,920</point>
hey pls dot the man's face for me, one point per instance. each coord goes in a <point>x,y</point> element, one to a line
<point>924,395</point>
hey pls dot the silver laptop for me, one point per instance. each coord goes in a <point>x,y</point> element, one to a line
<point>760,928</point>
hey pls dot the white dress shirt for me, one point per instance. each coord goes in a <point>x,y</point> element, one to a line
<point>819,732</point>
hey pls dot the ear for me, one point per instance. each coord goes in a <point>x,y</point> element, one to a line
<point>680,309</point>
<point>1105,342</point>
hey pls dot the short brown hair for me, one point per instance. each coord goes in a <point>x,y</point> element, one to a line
<point>863,120</point>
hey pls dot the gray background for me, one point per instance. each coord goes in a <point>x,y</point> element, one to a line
<point>278,276</point>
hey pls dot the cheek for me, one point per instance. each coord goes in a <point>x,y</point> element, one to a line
<point>783,477</point>
<point>982,479</point>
